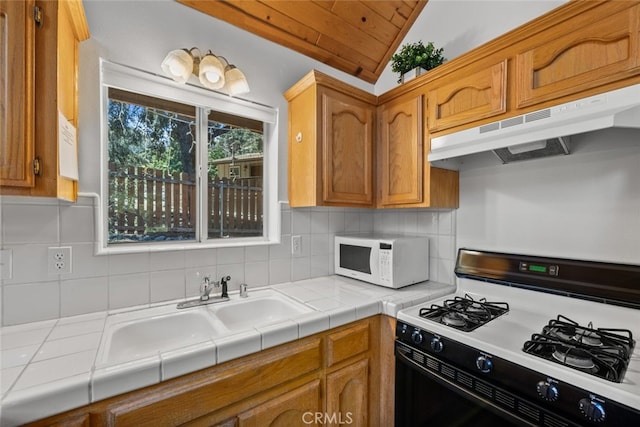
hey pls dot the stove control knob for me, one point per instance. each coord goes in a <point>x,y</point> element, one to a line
<point>484,364</point>
<point>416,337</point>
<point>436,344</point>
<point>592,410</point>
<point>547,391</point>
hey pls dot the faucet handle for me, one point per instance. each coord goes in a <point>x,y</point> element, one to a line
<point>205,283</point>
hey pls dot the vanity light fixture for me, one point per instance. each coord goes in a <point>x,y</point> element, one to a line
<point>180,64</point>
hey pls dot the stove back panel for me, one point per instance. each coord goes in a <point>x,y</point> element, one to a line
<point>599,281</point>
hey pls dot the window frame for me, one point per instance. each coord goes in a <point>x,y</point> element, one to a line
<point>145,83</point>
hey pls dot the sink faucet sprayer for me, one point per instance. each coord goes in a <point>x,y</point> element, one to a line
<point>225,289</point>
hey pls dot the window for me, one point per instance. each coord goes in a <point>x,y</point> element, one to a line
<point>162,186</point>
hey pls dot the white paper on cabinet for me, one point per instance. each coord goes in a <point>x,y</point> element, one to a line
<point>67,148</point>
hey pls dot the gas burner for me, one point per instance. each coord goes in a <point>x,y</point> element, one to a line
<point>465,314</point>
<point>454,319</point>
<point>590,338</point>
<point>574,357</point>
<point>604,353</point>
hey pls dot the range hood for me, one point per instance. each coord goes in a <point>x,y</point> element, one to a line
<point>544,132</point>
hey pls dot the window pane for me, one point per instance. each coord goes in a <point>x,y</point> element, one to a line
<point>152,164</point>
<point>235,177</point>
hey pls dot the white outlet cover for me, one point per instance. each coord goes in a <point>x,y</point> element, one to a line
<point>6,267</point>
<point>59,260</point>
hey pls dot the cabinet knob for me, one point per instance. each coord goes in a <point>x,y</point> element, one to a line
<point>299,137</point>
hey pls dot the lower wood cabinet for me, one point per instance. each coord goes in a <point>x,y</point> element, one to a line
<point>331,378</point>
<point>292,408</point>
<point>347,392</point>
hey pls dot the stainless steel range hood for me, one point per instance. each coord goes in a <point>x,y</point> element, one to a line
<point>545,132</point>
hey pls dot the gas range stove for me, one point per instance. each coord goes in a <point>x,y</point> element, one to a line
<point>575,358</point>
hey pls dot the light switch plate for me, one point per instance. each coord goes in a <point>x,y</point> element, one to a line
<point>296,245</point>
<point>6,264</point>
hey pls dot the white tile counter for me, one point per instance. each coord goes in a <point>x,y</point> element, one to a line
<point>54,366</point>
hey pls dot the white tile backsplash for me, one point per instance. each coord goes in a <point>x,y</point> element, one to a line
<point>30,223</point>
<point>126,290</point>
<point>107,282</point>
<point>81,296</point>
<point>30,302</point>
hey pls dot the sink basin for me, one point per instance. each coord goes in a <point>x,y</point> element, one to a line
<point>130,336</point>
<point>260,308</point>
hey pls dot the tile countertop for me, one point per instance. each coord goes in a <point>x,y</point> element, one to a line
<point>51,366</point>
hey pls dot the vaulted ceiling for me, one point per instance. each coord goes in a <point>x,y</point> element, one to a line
<point>355,36</point>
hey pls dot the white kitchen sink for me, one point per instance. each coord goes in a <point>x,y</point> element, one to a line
<point>134,335</point>
<point>141,333</point>
<point>262,307</point>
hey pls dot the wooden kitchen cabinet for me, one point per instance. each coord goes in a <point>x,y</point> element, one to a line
<point>331,131</point>
<point>464,97</point>
<point>406,179</point>
<point>347,394</point>
<point>43,84</point>
<point>289,409</point>
<point>589,50</point>
<point>17,55</point>
<point>336,370</point>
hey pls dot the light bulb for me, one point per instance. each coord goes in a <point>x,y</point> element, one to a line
<point>178,64</point>
<point>236,81</point>
<point>211,72</point>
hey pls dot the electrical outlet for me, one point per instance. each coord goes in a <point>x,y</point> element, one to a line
<point>296,245</point>
<point>59,260</point>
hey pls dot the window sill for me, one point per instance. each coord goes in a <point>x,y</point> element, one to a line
<point>125,248</point>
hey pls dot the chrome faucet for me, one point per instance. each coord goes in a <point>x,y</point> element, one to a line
<point>205,293</point>
<point>205,288</point>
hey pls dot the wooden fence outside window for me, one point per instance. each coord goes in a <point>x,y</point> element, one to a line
<point>157,205</point>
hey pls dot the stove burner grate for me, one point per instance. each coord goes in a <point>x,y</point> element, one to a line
<point>604,353</point>
<point>465,314</point>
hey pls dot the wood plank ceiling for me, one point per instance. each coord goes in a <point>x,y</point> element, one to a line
<point>355,36</point>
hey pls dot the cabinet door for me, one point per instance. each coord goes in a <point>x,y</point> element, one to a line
<point>17,49</point>
<point>579,56</point>
<point>401,152</point>
<point>347,395</point>
<point>293,408</point>
<point>347,142</point>
<point>468,98</point>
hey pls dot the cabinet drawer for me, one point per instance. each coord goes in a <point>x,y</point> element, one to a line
<point>348,343</point>
<point>178,402</point>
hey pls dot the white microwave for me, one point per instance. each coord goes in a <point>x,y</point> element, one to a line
<point>385,260</point>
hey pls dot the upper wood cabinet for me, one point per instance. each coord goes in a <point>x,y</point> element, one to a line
<point>43,85</point>
<point>400,152</point>
<point>17,52</point>
<point>464,97</point>
<point>331,127</point>
<point>406,179</point>
<point>592,49</point>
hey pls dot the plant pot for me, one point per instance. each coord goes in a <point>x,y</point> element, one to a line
<point>412,74</point>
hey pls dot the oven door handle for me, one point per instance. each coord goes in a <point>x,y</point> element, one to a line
<point>405,359</point>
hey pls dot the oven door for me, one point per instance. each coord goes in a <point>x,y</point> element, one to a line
<point>428,398</point>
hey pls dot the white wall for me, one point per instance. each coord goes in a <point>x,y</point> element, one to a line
<point>139,34</point>
<point>585,205</point>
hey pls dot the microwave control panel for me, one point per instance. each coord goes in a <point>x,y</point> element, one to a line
<point>385,262</point>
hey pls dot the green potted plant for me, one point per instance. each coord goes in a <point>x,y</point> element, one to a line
<point>416,55</point>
